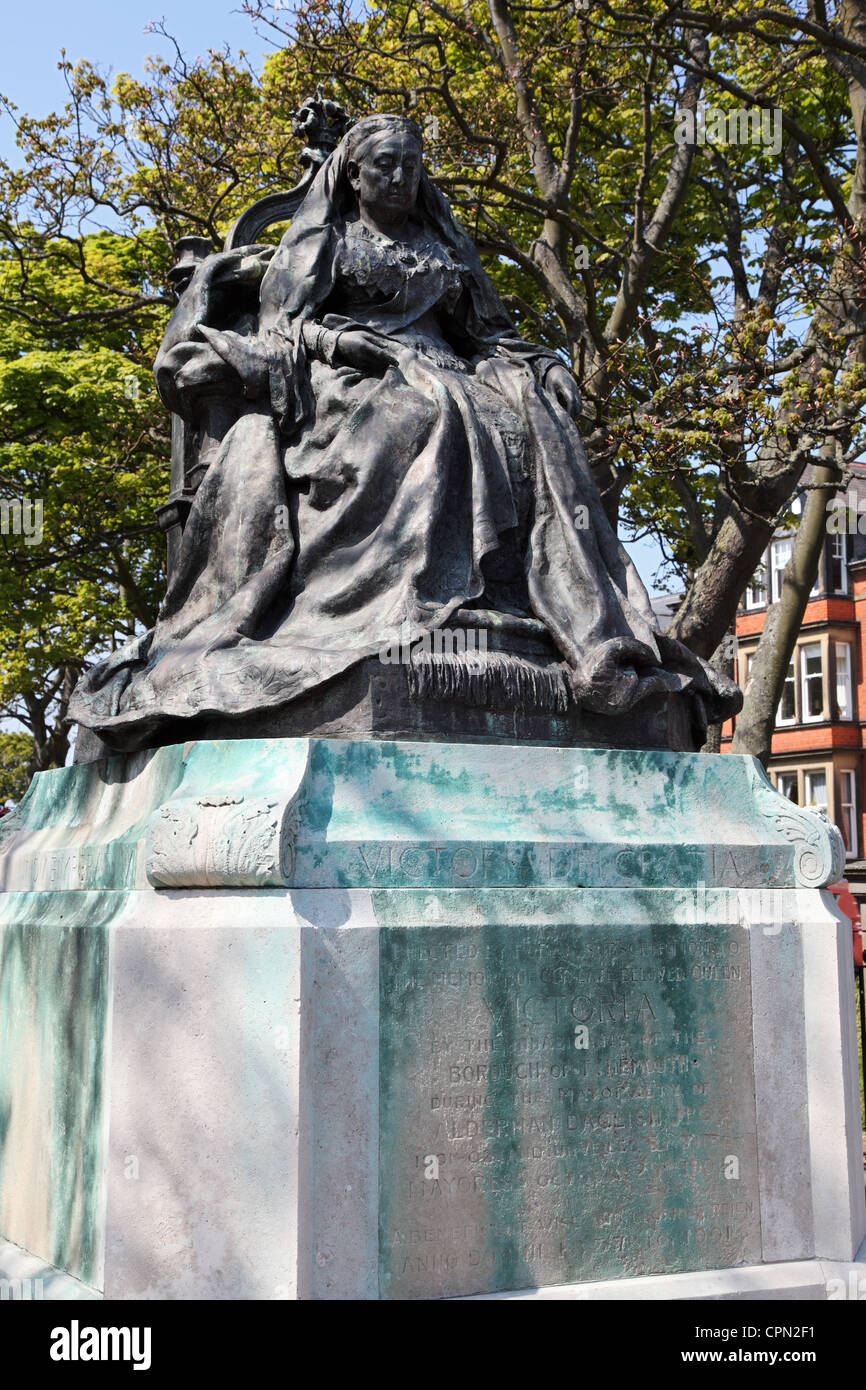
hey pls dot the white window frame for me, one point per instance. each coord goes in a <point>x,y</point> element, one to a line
<point>839,542</point>
<point>777,571</point>
<point>792,678</point>
<point>847,688</point>
<point>780,776</point>
<point>805,677</point>
<point>809,778</point>
<point>848,810</point>
<point>756,594</point>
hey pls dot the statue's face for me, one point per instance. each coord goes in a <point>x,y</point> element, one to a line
<point>387,176</point>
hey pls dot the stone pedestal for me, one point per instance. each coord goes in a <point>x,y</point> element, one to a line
<point>353,1019</point>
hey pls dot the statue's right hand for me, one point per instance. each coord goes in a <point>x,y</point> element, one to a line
<point>245,355</point>
<point>196,367</point>
<point>191,370</point>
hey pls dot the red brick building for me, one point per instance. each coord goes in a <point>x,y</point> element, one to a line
<point>818,747</point>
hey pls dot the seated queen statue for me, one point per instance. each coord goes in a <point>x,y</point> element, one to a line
<point>399,465</point>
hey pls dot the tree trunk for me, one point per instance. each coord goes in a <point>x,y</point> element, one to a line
<point>754,730</point>
<point>722,660</point>
<point>50,738</point>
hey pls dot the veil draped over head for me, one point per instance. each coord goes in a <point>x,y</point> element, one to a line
<point>301,275</point>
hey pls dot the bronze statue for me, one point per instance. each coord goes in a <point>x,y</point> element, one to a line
<point>398,462</point>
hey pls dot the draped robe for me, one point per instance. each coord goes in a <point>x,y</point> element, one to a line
<point>345,507</point>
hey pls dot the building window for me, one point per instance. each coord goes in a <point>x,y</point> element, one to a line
<point>839,564</point>
<point>848,812</point>
<point>756,592</point>
<point>780,554</point>
<point>844,706</point>
<point>812,681</point>
<point>786,783</point>
<point>787,713</point>
<point>816,791</point>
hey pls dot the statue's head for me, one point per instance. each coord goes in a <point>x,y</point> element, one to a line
<point>385,161</point>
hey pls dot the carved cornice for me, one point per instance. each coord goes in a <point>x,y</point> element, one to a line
<point>819,851</point>
<point>219,842</point>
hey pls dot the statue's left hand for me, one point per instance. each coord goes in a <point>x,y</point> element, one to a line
<point>561,385</point>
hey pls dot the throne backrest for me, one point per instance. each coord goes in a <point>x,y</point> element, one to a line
<point>322,124</point>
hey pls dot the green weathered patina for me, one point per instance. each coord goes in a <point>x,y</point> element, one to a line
<point>402,815</point>
<point>517,896</point>
<point>562,1102</point>
<point>53,1019</point>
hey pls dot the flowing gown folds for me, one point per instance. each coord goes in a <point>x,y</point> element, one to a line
<point>346,510</point>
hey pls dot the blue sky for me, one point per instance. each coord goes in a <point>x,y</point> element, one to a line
<point>114,37</point>
<point>110,34</point>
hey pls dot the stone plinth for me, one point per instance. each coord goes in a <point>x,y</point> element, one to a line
<point>328,1019</point>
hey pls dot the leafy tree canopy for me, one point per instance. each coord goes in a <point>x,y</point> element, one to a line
<point>708,292</point>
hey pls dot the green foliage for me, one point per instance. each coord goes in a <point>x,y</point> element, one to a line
<point>16,750</point>
<point>83,448</point>
<point>686,330</point>
<point>670,427</point>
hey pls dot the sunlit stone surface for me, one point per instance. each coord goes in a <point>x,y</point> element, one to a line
<point>323,1019</point>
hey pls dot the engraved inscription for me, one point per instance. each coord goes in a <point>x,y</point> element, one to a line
<point>73,867</point>
<point>582,1092</point>
<point>477,864</point>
